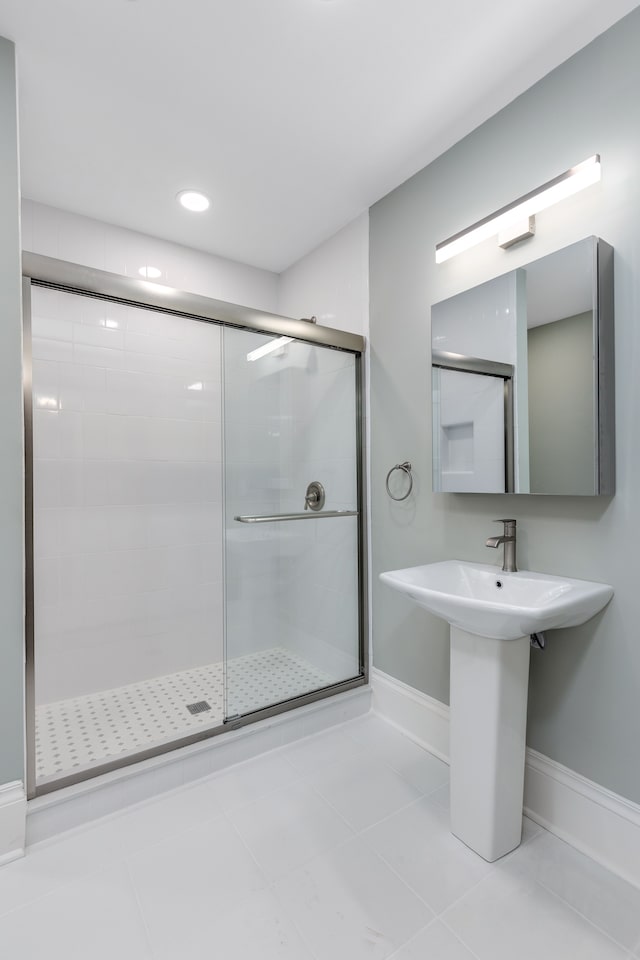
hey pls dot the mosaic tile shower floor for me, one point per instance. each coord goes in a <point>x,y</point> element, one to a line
<point>76,734</point>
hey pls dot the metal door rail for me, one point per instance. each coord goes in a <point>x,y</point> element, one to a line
<point>279,517</point>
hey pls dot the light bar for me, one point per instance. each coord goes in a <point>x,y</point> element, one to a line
<point>268,348</point>
<point>566,184</point>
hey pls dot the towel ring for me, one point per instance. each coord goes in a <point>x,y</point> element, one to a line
<point>406,468</point>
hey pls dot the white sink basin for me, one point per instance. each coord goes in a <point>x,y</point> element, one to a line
<point>481,599</point>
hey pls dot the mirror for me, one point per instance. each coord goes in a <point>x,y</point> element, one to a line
<point>522,379</point>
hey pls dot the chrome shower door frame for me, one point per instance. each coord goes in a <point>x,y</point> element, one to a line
<point>77,279</point>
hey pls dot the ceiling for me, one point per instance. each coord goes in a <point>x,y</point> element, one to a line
<point>294,116</point>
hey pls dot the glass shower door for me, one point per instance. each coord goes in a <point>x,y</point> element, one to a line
<point>127,518</point>
<point>291,526</point>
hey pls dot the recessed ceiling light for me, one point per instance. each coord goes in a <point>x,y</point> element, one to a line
<point>193,200</point>
<point>150,273</point>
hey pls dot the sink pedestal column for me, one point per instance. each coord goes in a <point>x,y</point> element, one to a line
<point>488,720</point>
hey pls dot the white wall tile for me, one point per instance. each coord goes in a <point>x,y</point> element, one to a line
<point>55,350</point>
<point>99,336</point>
<point>70,435</point>
<point>98,356</point>
<point>51,328</point>
<point>46,434</point>
<point>46,533</point>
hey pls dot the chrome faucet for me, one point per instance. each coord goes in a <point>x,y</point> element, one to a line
<point>509,540</point>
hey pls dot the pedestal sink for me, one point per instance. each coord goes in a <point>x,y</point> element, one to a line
<point>492,615</point>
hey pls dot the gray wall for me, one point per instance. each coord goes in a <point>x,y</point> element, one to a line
<point>11,455</point>
<point>561,406</point>
<point>585,689</point>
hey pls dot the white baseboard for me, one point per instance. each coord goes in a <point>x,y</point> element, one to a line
<point>596,821</point>
<point>591,818</point>
<point>420,717</point>
<point>13,814</point>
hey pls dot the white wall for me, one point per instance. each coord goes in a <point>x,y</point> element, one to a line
<point>332,282</point>
<point>67,236</point>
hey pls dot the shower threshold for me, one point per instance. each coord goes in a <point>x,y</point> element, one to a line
<point>74,735</point>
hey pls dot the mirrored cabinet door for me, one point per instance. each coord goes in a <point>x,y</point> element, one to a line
<point>522,379</point>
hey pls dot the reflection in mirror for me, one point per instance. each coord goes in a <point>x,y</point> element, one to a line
<point>522,379</point>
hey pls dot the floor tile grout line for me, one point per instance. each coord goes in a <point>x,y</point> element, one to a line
<point>460,940</point>
<point>114,815</point>
<point>262,871</point>
<point>403,776</point>
<point>389,763</point>
<point>315,856</point>
<point>82,876</point>
<point>490,873</point>
<point>230,771</point>
<point>167,838</point>
<point>237,902</point>
<point>496,871</point>
<point>432,923</point>
<point>43,896</point>
<point>291,916</point>
<point>403,881</point>
<point>141,912</point>
<point>354,831</point>
<point>582,916</point>
<point>448,926</point>
<point>368,754</point>
<point>333,850</point>
<point>437,915</point>
<point>270,886</point>
<point>403,808</point>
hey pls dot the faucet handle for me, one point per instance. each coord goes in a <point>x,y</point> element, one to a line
<point>504,521</point>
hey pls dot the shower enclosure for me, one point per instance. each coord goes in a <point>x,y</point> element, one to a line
<point>195,530</point>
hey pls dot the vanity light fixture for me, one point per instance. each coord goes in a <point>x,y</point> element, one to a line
<point>268,348</point>
<point>515,220</point>
<point>193,200</point>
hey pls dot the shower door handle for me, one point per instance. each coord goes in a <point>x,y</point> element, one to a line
<point>280,517</point>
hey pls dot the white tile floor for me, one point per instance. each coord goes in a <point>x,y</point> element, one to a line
<point>77,734</point>
<point>334,848</point>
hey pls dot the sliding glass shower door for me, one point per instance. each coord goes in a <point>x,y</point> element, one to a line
<point>127,518</point>
<point>291,525</point>
<point>194,545</point>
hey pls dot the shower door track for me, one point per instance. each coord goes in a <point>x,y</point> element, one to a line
<point>74,278</point>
